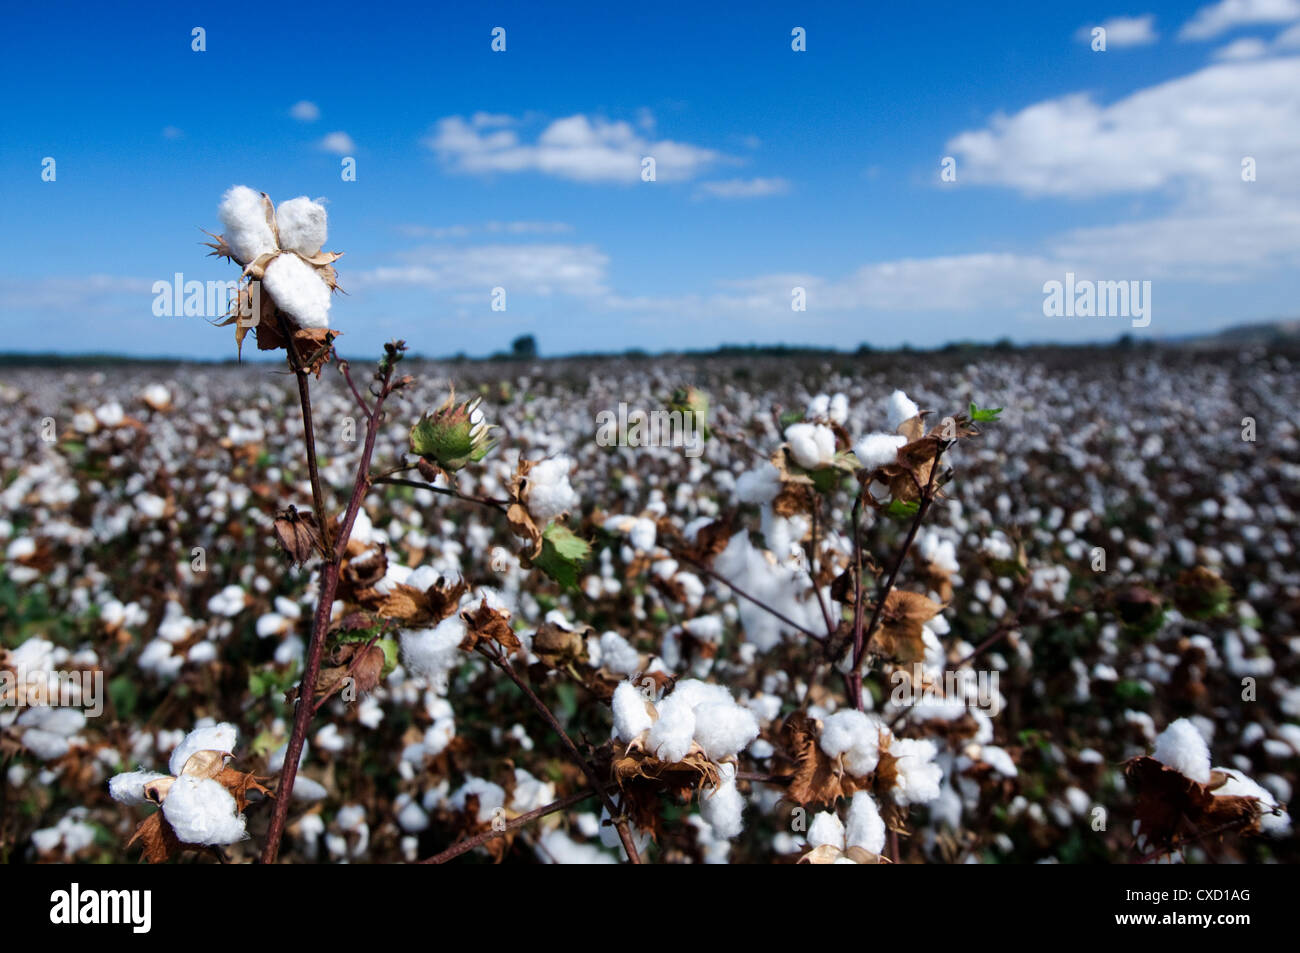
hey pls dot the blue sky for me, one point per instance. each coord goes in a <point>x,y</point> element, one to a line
<point>775,169</point>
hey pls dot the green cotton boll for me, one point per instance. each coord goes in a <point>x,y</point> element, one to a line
<point>453,436</point>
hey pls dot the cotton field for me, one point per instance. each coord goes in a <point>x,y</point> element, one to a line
<point>1062,632</point>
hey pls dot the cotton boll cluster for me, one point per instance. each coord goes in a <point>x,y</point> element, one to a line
<point>861,840</point>
<point>66,839</point>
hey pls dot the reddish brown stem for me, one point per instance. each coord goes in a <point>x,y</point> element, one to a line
<point>465,846</point>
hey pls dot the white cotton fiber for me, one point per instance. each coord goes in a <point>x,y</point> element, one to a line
<point>723,807</point>
<point>643,534</point>
<point>549,492</point>
<point>811,445</point>
<point>631,716</point>
<point>826,828</point>
<point>301,223</point>
<point>1238,785</point>
<point>866,828</point>
<point>210,738</point>
<point>918,776</point>
<point>844,729</point>
<point>434,652</point>
<point>298,290</point>
<point>692,692</point>
<point>1181,747</point>
<point>724,729</point>
<point>759,485</point>
<point>618,655</point>
<point>900,408</point>
<point>491,797</point>
<point>878,449</point>
<point>247,231</point>
<point>201,811</point>
<point>128,788</point>
<point>671,735</point>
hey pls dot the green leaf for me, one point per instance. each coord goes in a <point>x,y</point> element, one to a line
<point>902,509</point>
<point>562,554</point>
<point>987,415</point>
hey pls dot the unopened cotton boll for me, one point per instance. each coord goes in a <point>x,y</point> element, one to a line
<point>301,223</point>
<point>201,811</point>
<point>866,828</point>
<point>631,716</point>
<point>723,806</point>
<point>298,290</point>
<point>220,737</point>
<point>671,735</point>
<point>723,730</point>
<point>247,231</point>
<point>128,788</point>
<point>812,445</point>
<point>1181,747</point>
<point>826,828</point>
<point>878,449</point>
<point>900,408</point>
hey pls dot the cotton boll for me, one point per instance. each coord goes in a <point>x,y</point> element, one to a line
<point>298,290</point>
<point>692,692</point>
<point>878,449</point>
<point>843,730</point>
<point>549,492</point>
<point>1238,785</point>
<point>839,409</point>
<point>826,828</point>
<point>220,737</point>
<point>432,653</point>
<point>557,847</point>
<point>998,760</point>
<point>618,655</point>
<point>301,223</point>
<point>866,828</point>
<point>671,735</point>
<point>900,408</point>
<point>1181,747</point>
<point>759,485</point>
<point>918,776</point>
<point>128,788</point>
<point>723,730</point>
<point>631,716</point>
<point>247,231</point>
<point>201,811</point>
<point>491,797</point>
<point>643,534</point>
<point>817,407</point>
<point>812,445</point>
<point>723,807</point>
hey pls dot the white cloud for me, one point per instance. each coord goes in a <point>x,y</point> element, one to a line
<point>305,111</point>
<point>1218,18</point>
<point>578,148</point>
<point>339,143</point>
<point>1289,39</point>
<point>1192,130</point>
<point>1124,31</point>
<point>527,269</point>
<point>742,188</point>
<point>1245,48</point>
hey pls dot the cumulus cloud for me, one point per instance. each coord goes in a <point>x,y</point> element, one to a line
<point>1193,129</point>
<point>578,148</point>
<point>1245,48</point>
<point>1218,18</point>
<point>305,111</point>
<point>1123,31</point>
<point>339,143</point>
<point>742,188</point>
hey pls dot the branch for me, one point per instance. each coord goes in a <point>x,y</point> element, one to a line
<point>465,846</point>
<point>620,822</point>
